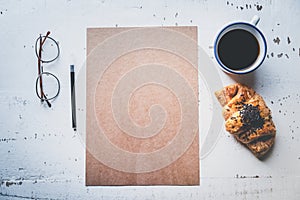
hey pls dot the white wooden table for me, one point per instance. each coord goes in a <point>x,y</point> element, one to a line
<point>41,157</point>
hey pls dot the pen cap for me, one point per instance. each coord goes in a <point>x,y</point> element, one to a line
<point>71,68</point>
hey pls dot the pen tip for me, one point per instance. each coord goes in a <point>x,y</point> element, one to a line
<point>72,68</point>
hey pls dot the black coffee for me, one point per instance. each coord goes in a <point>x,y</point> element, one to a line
<point>238,49</point>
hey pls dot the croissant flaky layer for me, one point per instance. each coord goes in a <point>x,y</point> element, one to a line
<point>247,117</point>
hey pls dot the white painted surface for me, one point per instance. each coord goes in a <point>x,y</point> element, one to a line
<point>42,158</point>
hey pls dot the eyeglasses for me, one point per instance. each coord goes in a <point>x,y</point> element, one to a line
<point>47,84</point>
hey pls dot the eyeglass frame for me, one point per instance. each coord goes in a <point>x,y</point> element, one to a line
<point>41,40</point>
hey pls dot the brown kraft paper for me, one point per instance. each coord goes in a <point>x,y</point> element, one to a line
<point>142,106</point>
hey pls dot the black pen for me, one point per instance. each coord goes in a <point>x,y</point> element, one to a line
<point>73,103</point>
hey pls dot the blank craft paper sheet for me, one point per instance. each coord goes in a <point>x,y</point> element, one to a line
<point>142,106</point>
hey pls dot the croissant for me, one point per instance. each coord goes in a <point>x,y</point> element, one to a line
<point>247,118</point>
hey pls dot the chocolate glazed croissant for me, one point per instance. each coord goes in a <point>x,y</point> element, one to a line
<point>247,118</point>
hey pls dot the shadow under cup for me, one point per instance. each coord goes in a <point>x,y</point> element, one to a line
<point>240,48</point>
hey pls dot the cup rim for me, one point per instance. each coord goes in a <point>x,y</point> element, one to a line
<point>237,71</point>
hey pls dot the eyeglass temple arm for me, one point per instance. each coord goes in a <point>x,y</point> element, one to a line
<point>39,68</point>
